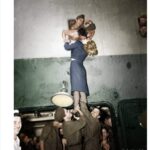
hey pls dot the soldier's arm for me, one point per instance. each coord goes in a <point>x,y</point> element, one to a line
<point>84,109</point>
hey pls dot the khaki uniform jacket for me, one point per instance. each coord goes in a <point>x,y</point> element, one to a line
<point>91,132</point>
<point>50,136</point>
<point>72,132</point>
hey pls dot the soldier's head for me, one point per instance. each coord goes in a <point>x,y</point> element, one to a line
<point>95,113</point>
<point>82,34</point>
<point>80,20</point>
<point>59,114</point>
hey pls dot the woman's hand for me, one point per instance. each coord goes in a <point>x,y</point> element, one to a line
<point>65,36</point>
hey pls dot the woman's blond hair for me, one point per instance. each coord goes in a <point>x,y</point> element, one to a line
<point>91,48</point>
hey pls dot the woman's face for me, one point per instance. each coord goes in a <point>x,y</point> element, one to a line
<point>91,34</point>
<point>17,124</point>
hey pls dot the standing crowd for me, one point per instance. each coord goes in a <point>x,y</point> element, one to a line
<point>91,129</point>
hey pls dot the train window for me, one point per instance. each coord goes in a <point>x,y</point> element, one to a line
<point>33,124</point>
<point>106,134</point>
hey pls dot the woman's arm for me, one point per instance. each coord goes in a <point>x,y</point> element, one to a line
<point>70,34</point>
<point>70,46</point>
<point>65,36</point>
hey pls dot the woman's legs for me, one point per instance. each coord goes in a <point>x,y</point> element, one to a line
<point>83,97</point>
<point>76,97</point>
<point>79,96</point>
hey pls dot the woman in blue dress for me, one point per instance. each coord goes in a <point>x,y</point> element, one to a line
<point>78,78</point>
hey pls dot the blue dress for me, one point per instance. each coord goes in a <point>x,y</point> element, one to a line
<point>78,76</point>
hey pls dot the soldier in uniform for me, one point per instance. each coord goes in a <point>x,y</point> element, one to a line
<point>72,131</point>
<point>50,137</point>
<point>91,131</point>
